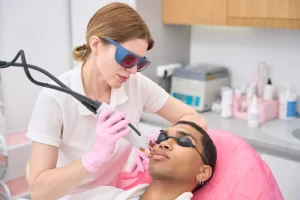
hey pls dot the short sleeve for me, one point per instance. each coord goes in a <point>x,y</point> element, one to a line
<point>45,125</point>
<point>154,95</point>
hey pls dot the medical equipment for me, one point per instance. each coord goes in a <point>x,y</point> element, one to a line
<point>198,85</point>
<point>95,107</point>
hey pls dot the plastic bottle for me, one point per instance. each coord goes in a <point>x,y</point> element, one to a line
<point>250,93</point>
<point>263,75</point>
<point>226,104</point>
<point>253,118</point>
<point>287,104</point>
<point>268,91</point>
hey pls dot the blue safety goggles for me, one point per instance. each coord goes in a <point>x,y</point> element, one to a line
<point>128,59</point>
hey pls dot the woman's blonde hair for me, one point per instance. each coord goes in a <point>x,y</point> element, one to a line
<point>117,21</point>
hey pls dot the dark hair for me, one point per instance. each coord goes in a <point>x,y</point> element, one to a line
<point>209,148</point>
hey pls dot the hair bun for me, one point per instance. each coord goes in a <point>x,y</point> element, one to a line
<point>81,53</point>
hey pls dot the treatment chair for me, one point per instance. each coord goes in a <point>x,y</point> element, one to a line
<point>240,173</point>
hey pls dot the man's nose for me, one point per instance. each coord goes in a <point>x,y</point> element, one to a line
<point>132,70</point>
<point>166,145</point>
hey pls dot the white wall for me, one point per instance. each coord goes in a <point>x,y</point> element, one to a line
<point>241,49</point>
<point>172,42</point>
<point>81,12</point>
<point>42,29</point>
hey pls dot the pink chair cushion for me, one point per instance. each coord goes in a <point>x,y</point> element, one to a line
<point>240,173</point>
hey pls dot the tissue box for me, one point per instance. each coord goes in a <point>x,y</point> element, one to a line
<point>267,110</point>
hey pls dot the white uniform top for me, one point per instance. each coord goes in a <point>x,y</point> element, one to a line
<point>112,193</point>
<point>60,120</point>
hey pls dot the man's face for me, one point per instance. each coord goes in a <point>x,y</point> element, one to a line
<point>171,161</point>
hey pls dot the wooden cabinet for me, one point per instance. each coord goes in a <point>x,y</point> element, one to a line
<point>194,12</point>
<point>251,13</point>
<point>263,9</point>
<point>264,13</point>
<point>294,9</point>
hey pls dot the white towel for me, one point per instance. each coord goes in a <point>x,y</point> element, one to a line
<point>112,193</point>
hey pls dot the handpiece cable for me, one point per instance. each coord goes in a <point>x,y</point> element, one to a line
<point>90,104</point>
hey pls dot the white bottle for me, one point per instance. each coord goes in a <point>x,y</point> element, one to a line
<point>263,74</point>
<point>253,118</point>
<point>287,104</point>
<point>250,93</point>
<point>226,104</point>
<point>268,91</point>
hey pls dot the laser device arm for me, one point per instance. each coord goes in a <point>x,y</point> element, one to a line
<point>92,105</point>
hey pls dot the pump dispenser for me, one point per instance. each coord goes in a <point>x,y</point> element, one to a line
<point>268,91</point>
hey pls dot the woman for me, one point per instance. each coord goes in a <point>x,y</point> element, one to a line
<point>65,134</point>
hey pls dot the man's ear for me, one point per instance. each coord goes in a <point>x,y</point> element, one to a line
<point>204,174</point>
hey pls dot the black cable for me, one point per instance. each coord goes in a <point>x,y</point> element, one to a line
<point>90,104</point>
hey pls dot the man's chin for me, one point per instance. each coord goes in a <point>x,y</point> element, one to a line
<point>160,172</point>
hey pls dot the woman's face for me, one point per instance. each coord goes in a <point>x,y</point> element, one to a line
<point>113,73</point>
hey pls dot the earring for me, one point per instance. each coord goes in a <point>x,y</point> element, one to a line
<point>96,53</point>
<point>201,182</point>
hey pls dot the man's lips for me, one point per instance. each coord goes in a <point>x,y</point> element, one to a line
<point>159,155</point>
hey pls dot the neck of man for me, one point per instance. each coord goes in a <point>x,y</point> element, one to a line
<point>166,190</point>
<point>95,86</point>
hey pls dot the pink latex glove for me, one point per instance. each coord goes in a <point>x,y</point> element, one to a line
<point>110,128</point>
<point>141,161</point>
<point>152,137</point>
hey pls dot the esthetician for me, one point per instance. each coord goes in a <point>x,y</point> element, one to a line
<point>72,151</point>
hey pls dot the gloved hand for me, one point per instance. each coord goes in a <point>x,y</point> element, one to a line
<point>152,137</point>
<point>110,128</point>
<point>141,161</point>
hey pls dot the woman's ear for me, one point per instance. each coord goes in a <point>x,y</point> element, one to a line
<point>204,174</point>
<point>94,43</point>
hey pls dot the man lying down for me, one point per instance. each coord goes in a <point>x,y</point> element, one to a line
<point>181,162</point>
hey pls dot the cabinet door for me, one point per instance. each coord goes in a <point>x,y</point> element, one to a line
<point>264,13</point>
<point>294,9</point>
<point>194,12</point>
<point>278,9</point>
<point>286,173</point>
